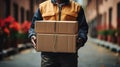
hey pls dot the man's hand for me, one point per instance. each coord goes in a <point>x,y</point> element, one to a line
<point>33,39</point>
<point>79,40</point>
<point>79,43</point>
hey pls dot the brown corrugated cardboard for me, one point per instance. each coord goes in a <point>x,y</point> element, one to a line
<point>44,27</point>
<point>56,43</point>
<point>67,27</point>
<point>58,27</point>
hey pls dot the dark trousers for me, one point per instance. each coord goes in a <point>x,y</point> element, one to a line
<point>59,59</point>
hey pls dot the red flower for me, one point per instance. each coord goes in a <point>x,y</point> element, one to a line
<point>6,30</point>
<point>26,26</point>
<point>9,19</point>
<point>15,26</point>
<point>118,20</point>
<point>1,23</point>
<point>101,27</point>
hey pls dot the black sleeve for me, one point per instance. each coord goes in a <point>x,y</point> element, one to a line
<point>37,16</point>
<point>82,27</point>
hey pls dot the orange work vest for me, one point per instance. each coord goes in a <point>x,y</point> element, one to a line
<point>50,11</point>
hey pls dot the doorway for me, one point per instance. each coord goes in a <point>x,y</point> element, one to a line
<point>118,16</point>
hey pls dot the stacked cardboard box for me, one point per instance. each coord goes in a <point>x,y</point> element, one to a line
<point>56,36</point>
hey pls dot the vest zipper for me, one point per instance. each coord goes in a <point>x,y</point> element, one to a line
<point>59,16</point>
<point>60,9</point>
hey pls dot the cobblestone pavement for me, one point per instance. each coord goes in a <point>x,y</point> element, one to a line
<point>90,55</point>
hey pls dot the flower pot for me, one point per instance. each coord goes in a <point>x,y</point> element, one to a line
<point>118,40</point>
<point>100,37</point>
<point>109,38</point>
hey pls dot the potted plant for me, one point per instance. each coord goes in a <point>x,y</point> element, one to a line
<point>25,27</point>
<point>111,35</point>
<point>102,34</point>
<point>118,37</point>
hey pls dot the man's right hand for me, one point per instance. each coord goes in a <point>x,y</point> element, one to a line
<point>33,40</point>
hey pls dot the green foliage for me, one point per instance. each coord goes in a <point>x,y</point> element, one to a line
<point>108,32</point>
<point>22,36</point>
<point>103,32</point>
<point>118,32</point>
<point>111,32</point>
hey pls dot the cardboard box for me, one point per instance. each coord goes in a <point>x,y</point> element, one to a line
<point>58,27</point>
<point>67,27</point>
<point>44,27</point>
<point>56,43</point>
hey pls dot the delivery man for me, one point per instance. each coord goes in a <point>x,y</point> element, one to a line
<point>61,10</point>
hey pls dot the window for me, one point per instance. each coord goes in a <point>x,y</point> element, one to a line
<point>22,14</point>
<point>31,8</point>
<point>89,1</point>
<point>118,10</point>
<point>7,8</point>
<point>100,2</point>
<point>105,15</point>
<point>118,15</point>
<point>110,17</point>
<point>15,11</point>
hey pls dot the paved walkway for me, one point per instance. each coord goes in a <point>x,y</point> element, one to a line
<point>90,55</point>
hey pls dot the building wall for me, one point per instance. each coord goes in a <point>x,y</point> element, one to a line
<point>21,4</point>
<point>91,10</point>
<point>2,8</point>
<point>84,2</point>
<point>37,4</point>
<point>103,10</point>
<point>25,4</point>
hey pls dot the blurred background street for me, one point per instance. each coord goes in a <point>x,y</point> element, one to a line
<point>91,55</point>
<point>101,50</point>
